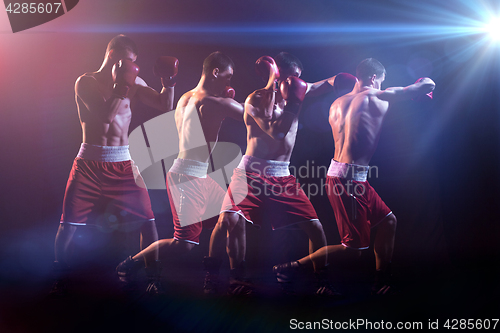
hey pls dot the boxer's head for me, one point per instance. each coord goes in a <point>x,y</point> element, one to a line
<point>288,65</point>
<point>121,47</point>
<point>370,72</point>
<point>218,68</point>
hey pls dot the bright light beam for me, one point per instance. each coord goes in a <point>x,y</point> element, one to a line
<point>493,28</point>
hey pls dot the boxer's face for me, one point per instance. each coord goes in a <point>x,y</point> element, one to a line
<point>292,71</point>
<point>223,78</point>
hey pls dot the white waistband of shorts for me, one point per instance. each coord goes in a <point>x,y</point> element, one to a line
<point>104,153</point>
<point>266,168</point>
<point>190,168</point>
<point>348,171</point>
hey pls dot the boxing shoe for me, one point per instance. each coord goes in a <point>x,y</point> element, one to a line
<point>60,285</point>
<point>153,275</point>
<point>325,289</point>
<point>211,283</point>
<point>285,275</point>
<point>239,285</point>
<point>128,268</point>
<point>383,283</point>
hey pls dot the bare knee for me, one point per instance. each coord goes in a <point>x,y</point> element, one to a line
<point>391,221</point>
<point>149,232</point>
<point>172,245</point>
<point>355,253</point>
<point>182,246</point>
<point>312,228</point>
<point>148,227</point>
<point>350,252</point>
<point>229,221</point>
<point>66,229</point>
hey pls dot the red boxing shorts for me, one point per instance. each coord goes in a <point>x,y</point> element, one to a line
<point>264,189</point>
<point>195,199</point>
<point>356,205</point>
<point>105,189</point>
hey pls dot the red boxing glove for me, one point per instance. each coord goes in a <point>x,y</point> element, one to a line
<point>424,97</point>
<point>167,68</point>
<point>124,73</point>
<point>344,82</point>
<point>293,90</point>
<point>228,92</point>
<point>264,66</point>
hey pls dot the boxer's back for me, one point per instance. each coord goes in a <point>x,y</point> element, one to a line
<point>198,121</point>
<point>356,120</point>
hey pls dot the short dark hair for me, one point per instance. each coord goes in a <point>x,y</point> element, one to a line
<point>368,67</point>
<point>217,60</point>
<point>287,60</point>
<point>122,43</point>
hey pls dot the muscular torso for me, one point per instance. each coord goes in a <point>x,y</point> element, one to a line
<point>198,125</point>
<point>356,120</point>
<point>95,130</point>
<point>259,143</point>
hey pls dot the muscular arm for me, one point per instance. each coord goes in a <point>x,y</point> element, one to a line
<point>163,101</point>
<point>340,82</point>
<point>320,87</point>
<point>393,94</point>
<point>87,91</point>
<point>227,106</point>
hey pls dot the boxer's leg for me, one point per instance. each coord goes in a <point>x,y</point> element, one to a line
<point>60,268</point>
<point>229,234</point>
<point>383,249</point>
<point>63,239</point>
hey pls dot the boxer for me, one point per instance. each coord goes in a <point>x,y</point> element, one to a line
<point>261,187</point>
<point>104,187</point>
<point>199,115</point>
<point>356,121</point>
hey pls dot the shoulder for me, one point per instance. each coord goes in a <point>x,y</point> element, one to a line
<point>254,109</point>
<point>212,101</point>
<point>85,82</point>
<point>186,98</point>
<point>258,98</point>
<point>86,78</point>
<point>368,96</point>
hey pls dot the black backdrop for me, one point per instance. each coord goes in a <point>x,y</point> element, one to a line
<point>438,162</point>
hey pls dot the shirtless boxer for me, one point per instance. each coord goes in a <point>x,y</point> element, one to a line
<point>356,120</point>
<point>105,188</point>
<point>261,187</point>
<point>199,115</point>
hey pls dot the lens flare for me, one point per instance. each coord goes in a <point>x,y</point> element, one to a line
<point>493,28</point>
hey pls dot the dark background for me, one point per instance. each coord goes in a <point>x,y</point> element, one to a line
<point>438,161</point>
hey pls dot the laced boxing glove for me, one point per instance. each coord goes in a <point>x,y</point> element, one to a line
<point>293,90</point>
<point>228,92</point>
<point>264,66</point>
<point>344,82</point>
<point>124,73</point>
<point>167,68</point>
<point>425,97</point>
